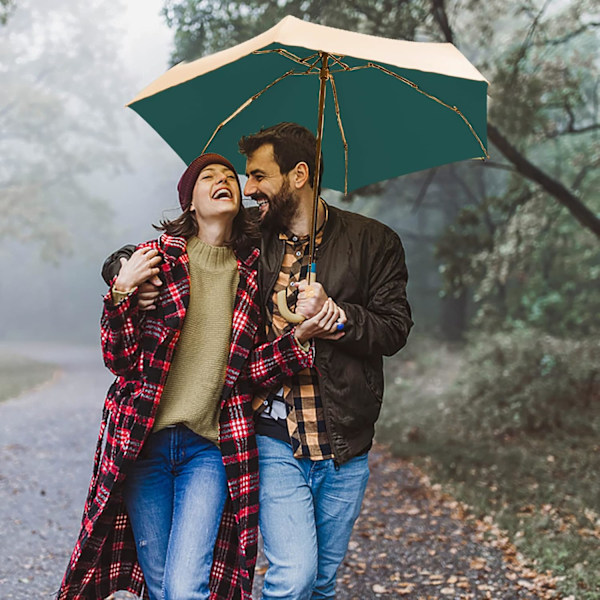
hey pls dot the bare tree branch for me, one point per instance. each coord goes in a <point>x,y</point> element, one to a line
<point>421,195</point>
<point>569,36</point>
<point>440,15</point>
<point>572,130</point>
<point>552,186</point>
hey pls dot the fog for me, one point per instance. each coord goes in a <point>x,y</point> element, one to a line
<point>81,174</point>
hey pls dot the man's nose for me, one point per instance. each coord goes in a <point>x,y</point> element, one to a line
<point>249,188</point>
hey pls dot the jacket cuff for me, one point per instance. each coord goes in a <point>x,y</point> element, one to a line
<point>127,303</point>
<point>303,353</point>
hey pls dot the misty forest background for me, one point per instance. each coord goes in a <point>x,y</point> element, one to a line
<point>497,394</point>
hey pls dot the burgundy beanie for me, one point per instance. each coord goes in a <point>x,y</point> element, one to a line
<point>186,184</point>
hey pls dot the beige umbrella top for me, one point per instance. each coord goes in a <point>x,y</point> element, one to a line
<point>444,59</point>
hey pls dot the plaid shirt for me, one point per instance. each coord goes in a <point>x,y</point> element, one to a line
<point>138,348</point>
<point>305,418</point>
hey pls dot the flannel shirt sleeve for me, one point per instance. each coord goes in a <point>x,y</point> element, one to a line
<point>271,362</point>
<point>120,334</point>
<point>382,326</point>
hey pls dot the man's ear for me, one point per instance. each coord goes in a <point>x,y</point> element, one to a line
<point>301,176</point>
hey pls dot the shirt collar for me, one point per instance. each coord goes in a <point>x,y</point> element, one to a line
<point>292,238</point>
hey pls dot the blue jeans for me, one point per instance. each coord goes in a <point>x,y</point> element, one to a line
<point>175,494</point>
<point>307,511</point>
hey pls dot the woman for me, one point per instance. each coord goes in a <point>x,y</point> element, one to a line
<point>172,507</point>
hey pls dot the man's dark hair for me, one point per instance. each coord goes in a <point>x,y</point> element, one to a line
<point>292,143</point>
<point>245,232</point>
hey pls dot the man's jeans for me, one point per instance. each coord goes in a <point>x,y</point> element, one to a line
<point>307,511</point>
<point>175,494</point>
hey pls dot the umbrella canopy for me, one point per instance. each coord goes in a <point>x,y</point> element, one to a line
<point>400,106</point>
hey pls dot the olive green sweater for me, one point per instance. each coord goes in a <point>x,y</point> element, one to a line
<point>193,389</point>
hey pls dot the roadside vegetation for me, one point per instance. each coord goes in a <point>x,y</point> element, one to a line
<point>19,374</point>
<point>517,440</point>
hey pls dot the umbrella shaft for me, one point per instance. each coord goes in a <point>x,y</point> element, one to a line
<point>323,77</point>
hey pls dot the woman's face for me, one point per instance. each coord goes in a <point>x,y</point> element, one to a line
<point>216,195</point>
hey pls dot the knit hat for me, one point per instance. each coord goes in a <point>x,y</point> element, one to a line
<point>186,184</point>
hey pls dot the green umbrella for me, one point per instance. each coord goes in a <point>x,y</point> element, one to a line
<point>396,107</point>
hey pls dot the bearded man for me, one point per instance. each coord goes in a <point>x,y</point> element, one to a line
<point>314,434</point>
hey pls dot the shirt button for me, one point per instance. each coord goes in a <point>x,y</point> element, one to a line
<point>295,238</point>
<point>298,253</point>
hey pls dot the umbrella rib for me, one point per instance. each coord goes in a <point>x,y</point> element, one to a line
<point>305,61</point>
<point>413,85</point>
<point>291,56</point>
<point>341,127</point>
<point>247,103</point>
<point>337,60</point>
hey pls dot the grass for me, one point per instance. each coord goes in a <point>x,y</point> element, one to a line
<point>543,489</point>
<point>19,374</point>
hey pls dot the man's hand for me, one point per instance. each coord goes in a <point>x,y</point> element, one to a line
<point>141,267</point>
<point>311,298</point>
<point>323,325</point>
<point>148,292</point>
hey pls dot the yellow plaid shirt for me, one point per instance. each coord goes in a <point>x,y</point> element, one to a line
<point>305,417</point>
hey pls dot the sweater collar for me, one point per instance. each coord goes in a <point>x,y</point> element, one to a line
<point>174,247</point>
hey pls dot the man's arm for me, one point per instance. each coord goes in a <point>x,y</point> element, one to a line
<point>147,292</point>
<point>120,323</point>
<point>382,326</point>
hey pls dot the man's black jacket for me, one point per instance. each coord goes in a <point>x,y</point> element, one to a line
<point>360,264</point>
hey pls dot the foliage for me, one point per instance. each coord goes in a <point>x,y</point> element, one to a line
<point>528,262</point>
<point>538,269</point>
<point>58,78</point>
<point>530,382</point>
<point>205,26</point>
<point>541,487</point>
<point>19,374</point>
<point>6,7</point>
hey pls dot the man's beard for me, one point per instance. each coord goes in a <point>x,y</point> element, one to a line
<point>283,207</point>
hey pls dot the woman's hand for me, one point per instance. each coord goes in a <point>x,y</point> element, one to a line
<point>325,324</point>
<point>142,265</point>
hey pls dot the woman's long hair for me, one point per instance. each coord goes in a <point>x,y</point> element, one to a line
<point>245,232</point>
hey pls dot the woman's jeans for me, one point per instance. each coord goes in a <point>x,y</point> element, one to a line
<point>307,511</point>
<point>175,494</point>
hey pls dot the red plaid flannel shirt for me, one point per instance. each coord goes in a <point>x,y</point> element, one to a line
<point>138,347</point>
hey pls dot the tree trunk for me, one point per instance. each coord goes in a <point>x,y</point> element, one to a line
<point>453,320</point>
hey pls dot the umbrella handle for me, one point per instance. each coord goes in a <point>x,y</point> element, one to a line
<point>284,310</point>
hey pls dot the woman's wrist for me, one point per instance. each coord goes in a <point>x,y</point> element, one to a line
<point>123,287</point>
<point>303,342</point>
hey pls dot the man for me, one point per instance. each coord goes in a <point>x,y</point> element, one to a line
<point>315,432</point>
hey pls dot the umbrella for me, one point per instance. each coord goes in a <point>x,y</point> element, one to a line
<point>397,106</point>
